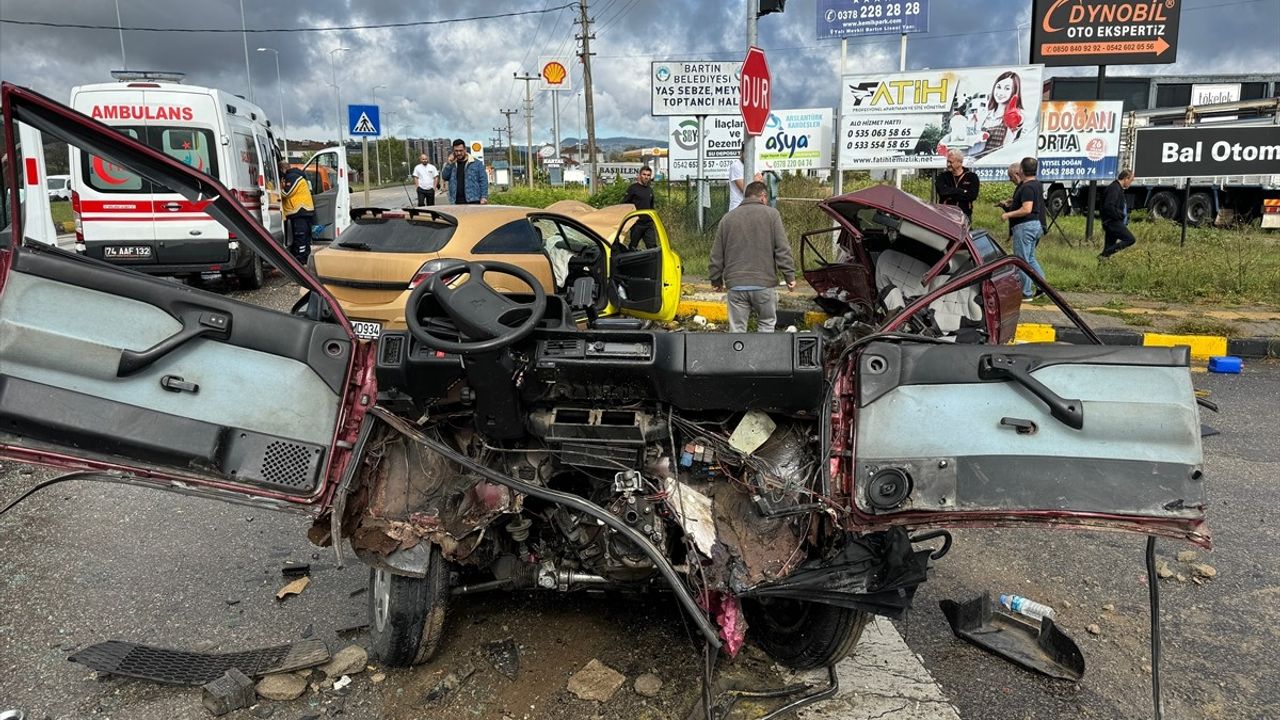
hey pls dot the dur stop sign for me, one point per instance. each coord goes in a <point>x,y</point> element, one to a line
<point>753,91</point>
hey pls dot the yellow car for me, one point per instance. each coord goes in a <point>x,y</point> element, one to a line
<point>385,254</point>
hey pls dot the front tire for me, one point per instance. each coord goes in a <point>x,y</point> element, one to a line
<point>407,614</point>
<point>253,275</point>
<point>805,635</point>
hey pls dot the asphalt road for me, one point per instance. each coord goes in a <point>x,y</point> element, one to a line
<point>83,562</point>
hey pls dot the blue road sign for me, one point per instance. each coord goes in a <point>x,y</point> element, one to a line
<point>363,121</point>
<point>851,18</point>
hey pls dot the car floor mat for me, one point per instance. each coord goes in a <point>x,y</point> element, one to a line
<point>180,667</point>
<point>1043,648</point>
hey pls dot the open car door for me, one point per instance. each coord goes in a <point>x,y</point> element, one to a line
<point>644,272</point>
<point>149,381</point>
<point>331,192</point>
<point>1088,435</point>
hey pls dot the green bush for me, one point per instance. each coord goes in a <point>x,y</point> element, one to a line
<point>537,196</point>
<point>610,194</point>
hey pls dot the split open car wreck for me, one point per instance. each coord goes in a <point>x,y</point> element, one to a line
<point>781,486</point>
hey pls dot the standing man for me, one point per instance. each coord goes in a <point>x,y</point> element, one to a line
<point>1115,215</point>
<point>468,181</point>
<point>428,178</point>
<point>640,194</point>
<point>736,180</point>
<point>749,253</point>
<point>957,186</point>
<point>299,210</point>
<point>1025,216</point>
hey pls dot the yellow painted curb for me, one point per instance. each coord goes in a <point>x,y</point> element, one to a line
<point>1202,346</point>
<point>1035,333</point>
<point>713,311</point>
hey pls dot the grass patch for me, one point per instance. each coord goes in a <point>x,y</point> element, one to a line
<point>1201,325</point>
<point>1134,319</point>
<point>61,212</point>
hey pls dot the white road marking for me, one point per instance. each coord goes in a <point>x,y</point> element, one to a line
<point>882,679</point>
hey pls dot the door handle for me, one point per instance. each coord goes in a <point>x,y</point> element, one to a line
<point>1009,367</point>
<point>1019,425</point>
<point>195,324</point>
<point>174,383</point>
<point>172,206</point>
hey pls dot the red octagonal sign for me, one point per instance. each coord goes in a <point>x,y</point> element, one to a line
<point>753,91</point>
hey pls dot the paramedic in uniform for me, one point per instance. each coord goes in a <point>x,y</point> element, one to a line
<point>299,211</point>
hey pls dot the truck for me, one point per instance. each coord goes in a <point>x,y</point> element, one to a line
<point>1179,101</point>
<point>1205,199</point>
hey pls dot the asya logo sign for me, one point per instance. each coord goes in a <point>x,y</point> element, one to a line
<point>778,140</point>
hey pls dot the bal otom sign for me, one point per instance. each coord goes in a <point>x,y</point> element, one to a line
<point>1104,32</point>
<point>1214,150</point>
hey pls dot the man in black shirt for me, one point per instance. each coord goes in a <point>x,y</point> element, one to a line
<point>640,194</point>
<point>1026,218</point>
<point>957,186</point>
<point>1115,215</point>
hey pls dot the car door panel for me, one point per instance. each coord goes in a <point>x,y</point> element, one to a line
<point>645,283</point>
<point>105,368</point>
<point>943,440</point>
<point>333,204</point>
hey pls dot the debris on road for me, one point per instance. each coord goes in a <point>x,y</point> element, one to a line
<point>1204,570</point>
<point>350,660</point>
<point>1187,556</point>
<point>447,684</point>
<point>1041,646</point>
<point>1163,570</point>
<point>295,569</point>
<point>293,588</point>
<point>182,667</point>
<point>232,691</point>
<point>282,686</point>
<point>596,681</point>
<point>648,685</point>
<point>342,682</point>
<point>377,678</point>
<point>1094,629</point>
<point>504,656</point>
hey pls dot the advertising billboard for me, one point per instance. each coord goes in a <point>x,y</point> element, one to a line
<point>721,140</point>
<point>694,87</point>
<point>1079,140</point>
<point>911,119</point>
<point>851,18</point>
<point>795,140</point>
<point>1104,32</point>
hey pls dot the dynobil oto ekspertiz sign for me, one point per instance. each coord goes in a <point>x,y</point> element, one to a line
<point>695,87</point>
<point>911,120</point>
<point>1104,32</point>
<point>1079,139</point>
<point>1213,150</point>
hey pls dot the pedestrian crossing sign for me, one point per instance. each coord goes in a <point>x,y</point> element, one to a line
<point>363,120</point>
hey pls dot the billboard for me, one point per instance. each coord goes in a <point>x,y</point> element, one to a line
<point>1213,150</point>
<point>911,119</point>
<point>1079,139</point>
<point>721,142</point>
<point>795,140</point>
<point>694,87</point>
<point>1104,32</point>
<point>851,18</point>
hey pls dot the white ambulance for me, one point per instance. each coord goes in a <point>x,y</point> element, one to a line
<point>124,219</point>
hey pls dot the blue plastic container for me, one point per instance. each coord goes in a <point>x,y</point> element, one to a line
<point>1226,364</point>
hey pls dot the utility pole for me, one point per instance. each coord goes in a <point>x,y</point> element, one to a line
<point>244,35</point>
<point>586,37</point>
<point>528,121</point>
<point>749,146</point>
<point>511,159</point>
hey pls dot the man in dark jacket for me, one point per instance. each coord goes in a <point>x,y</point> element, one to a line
<point>299,210</point>
<point>957,186</point>
<point>1115,215</point>
<point>467,178</point>
<point>749,253</point>
<point>640,194</point>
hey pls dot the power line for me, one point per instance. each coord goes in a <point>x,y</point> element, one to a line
<point>334,28</point>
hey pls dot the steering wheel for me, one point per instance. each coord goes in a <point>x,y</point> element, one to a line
<point>490,320</point>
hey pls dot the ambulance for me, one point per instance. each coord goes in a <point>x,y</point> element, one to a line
<point>126,220</point>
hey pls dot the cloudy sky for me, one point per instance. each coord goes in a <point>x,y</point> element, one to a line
<point>453,79</point>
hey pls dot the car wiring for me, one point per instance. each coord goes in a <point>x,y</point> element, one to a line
<point>81,475</point>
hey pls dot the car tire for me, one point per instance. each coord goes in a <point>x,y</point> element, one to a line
<point>1164,205</point>
<point>253,275</point>
<point>1199,209</point>
<point>805,635</point>
<point>1059,203</point>
<point>407,614</point>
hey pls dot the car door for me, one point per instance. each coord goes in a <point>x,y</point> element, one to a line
<point>950,435</point>
<point>333,203</point>
<point>153,382</point>
<point>644,272</point>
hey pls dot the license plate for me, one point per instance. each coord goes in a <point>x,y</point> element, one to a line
<point>366,330</point>
<point>127,252</point>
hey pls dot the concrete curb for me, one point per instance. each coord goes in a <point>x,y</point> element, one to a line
<point>1202,346</point>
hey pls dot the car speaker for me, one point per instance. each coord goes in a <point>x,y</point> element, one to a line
<point>888,488</point>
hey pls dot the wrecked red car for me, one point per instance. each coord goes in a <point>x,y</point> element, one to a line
<point>781,486</point>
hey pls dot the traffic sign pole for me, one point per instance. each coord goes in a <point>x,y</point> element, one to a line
<point>749,144</point>
<point>364,161</point>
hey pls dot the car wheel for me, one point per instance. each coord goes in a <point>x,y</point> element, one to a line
<point>1164,205</point>
<point>407,614</point>
<point>805,635</point>
<point>252,276</point>
<point>1058,202</point>
<point>1199,209</point>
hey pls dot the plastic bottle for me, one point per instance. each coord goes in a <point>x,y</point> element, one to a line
<point>1030,608</point>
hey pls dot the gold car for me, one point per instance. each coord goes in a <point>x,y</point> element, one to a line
<point>384,254</point>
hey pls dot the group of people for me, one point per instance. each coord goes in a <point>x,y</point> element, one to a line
<point>468,180</point>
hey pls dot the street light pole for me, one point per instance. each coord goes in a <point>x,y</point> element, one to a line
<point>377,143</point>
<point>337,94</point>
<point>284,133</point>
<point>124,61</point>
<point>244,35</point>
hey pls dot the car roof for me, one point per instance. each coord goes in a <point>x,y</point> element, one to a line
<point>945,220</point>
<point>475,222</point>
